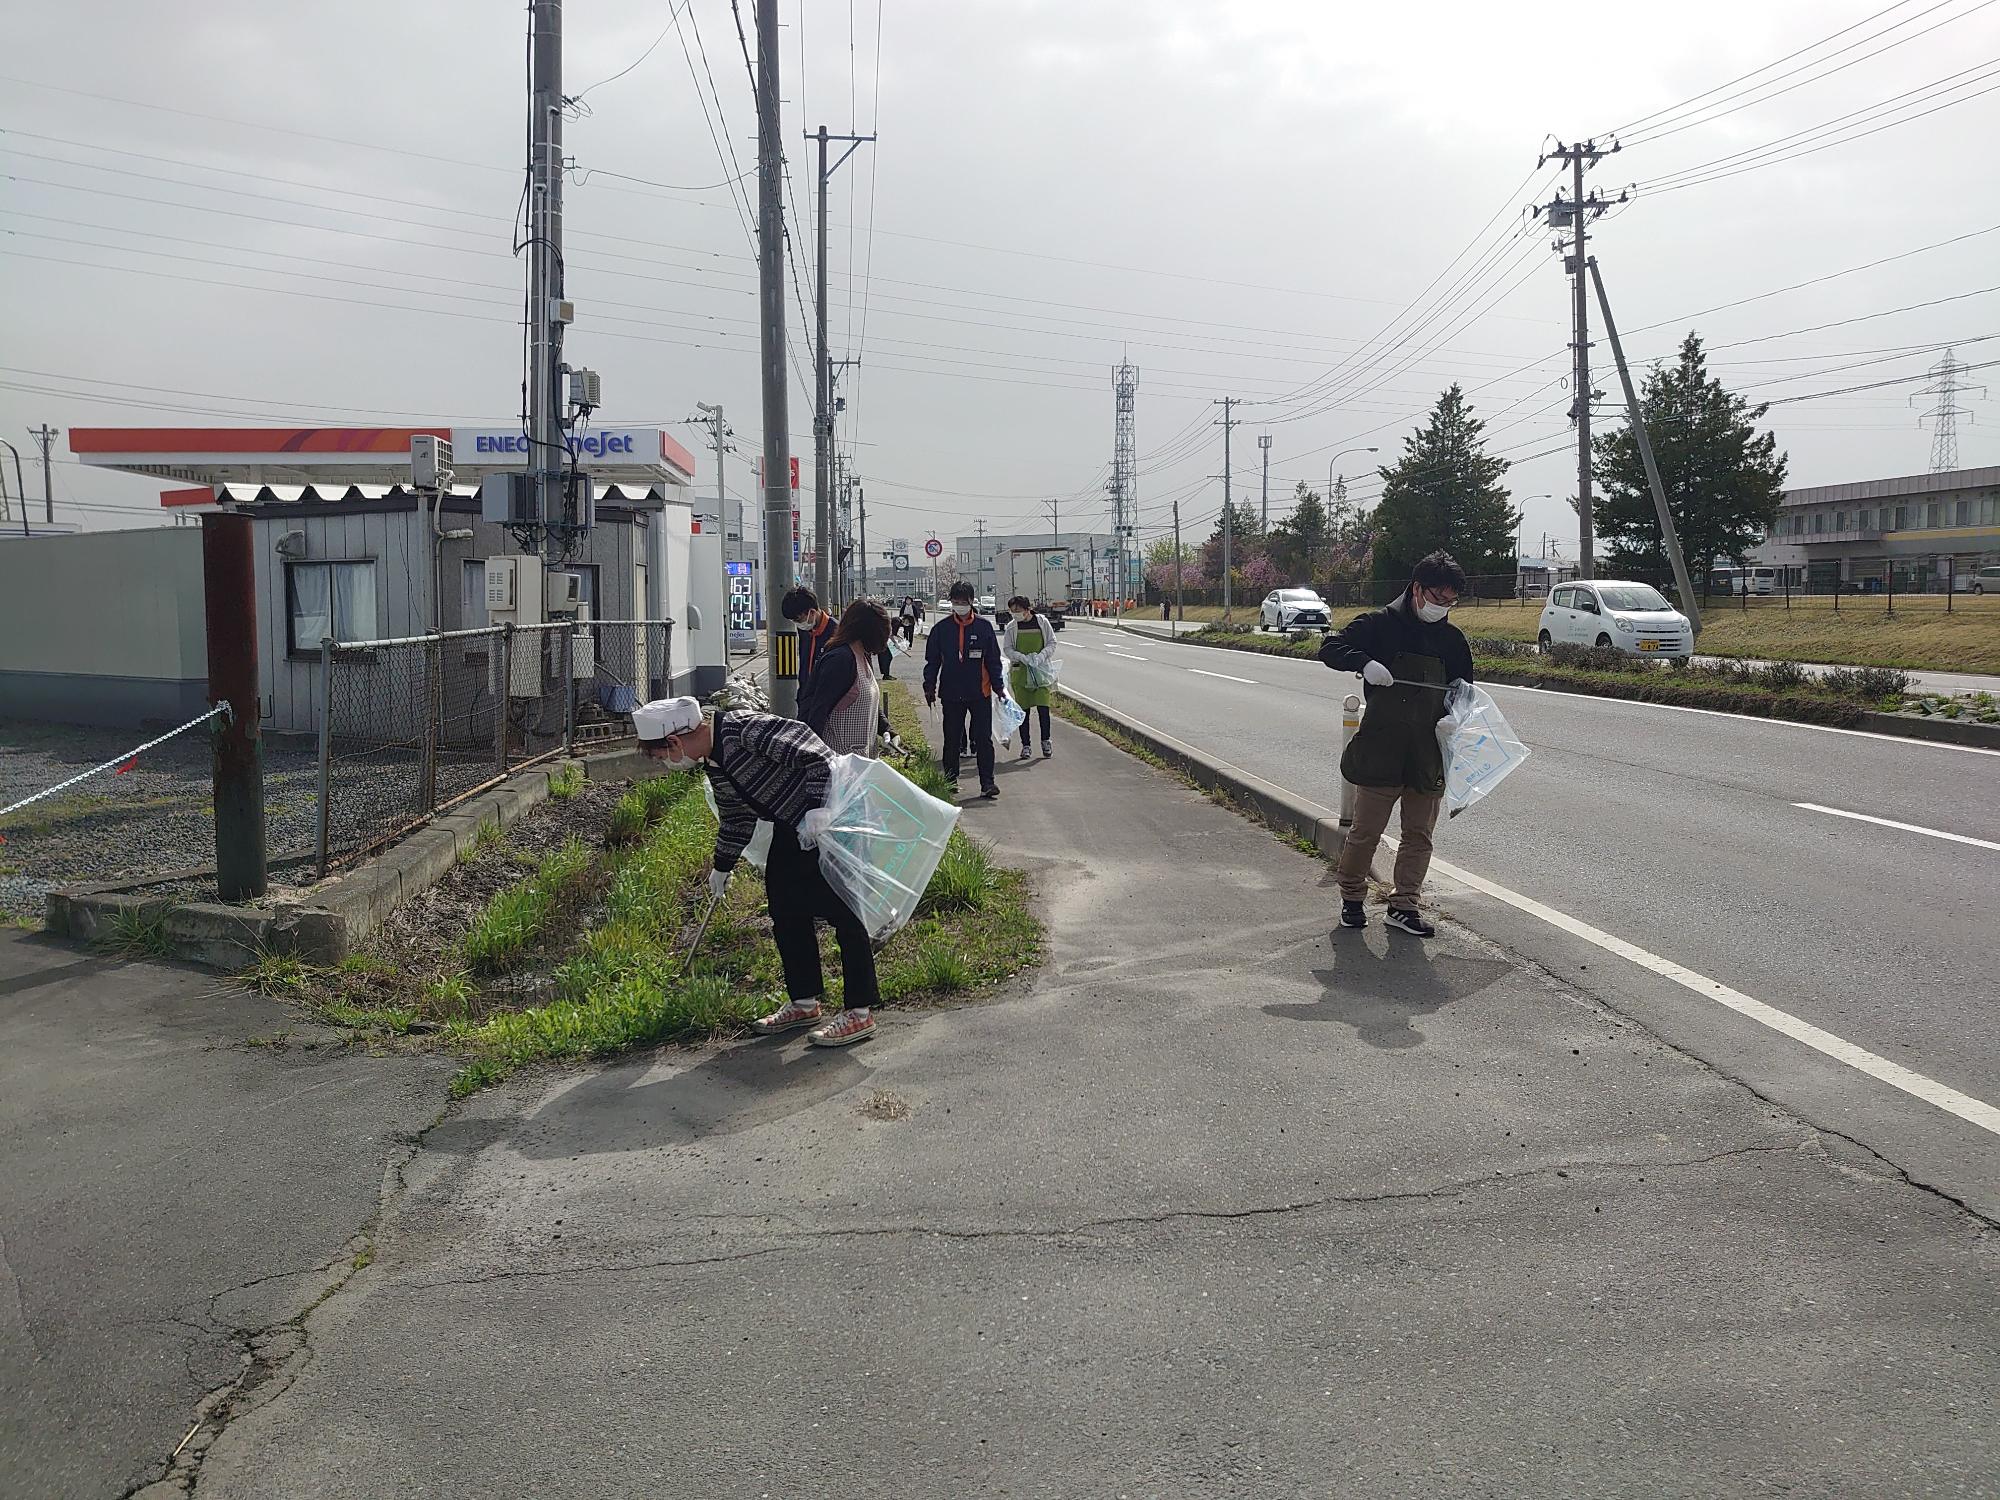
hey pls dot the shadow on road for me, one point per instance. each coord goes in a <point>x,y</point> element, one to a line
<point>738,1088</point>
<point>1381,994</point>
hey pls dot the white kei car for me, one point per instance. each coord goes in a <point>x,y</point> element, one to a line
<point>1631,617</point>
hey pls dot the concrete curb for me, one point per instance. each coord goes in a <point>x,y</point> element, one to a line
<point>1898,726</point>
<point>338,917</point>
<point>1283,810</point>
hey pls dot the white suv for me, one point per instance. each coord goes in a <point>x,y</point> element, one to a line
<point>1631,617</point>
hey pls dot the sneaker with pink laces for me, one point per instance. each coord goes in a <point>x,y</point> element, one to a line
<point>789,1017</point>
<point>845,1029</point>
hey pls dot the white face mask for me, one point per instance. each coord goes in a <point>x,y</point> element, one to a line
<point>961,610</point>
<point>1432,613</point>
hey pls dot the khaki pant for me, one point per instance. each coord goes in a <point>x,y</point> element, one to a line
<point>1372,805</point>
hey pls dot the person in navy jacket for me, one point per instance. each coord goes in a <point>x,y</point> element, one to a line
<point>962,666</point>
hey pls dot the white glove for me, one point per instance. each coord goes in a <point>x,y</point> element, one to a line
<point>1377,675</point>
<point>813,826</point>
<point>718,882</point>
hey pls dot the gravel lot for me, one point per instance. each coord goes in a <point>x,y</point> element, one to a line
<point>153,818</point>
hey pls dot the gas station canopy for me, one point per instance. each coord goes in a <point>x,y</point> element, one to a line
<point>334,458</point>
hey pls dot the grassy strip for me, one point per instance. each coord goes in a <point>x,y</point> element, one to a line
<point>515,919</point>
<point>1777,690</point>
<point>626,988</point>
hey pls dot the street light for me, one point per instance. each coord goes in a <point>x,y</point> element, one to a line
<point>1520,583</point>
<point>1336,457</point>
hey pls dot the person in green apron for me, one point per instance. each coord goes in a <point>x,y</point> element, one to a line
<point>1029,636</point>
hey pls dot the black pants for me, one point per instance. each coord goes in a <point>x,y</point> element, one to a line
<point>980,712</point>
<point>1043,710</point>
<point>799,897</point>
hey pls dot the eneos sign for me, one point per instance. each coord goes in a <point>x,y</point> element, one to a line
<point>478,445</point>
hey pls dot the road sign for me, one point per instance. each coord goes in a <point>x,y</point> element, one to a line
<point>902,562</point>
<point>933,548</point>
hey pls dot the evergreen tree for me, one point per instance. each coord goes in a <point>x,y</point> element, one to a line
<point>1245,542</point>
<point>1298,545</point>
<point>1445,492</point>
<point>1723,479</point>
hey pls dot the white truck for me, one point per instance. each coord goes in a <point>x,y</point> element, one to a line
<point>1040,574</point>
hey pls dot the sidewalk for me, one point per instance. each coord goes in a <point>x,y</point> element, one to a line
<point>183,1168</point>
<point>1218,1203</point>
<point>1923,682</point>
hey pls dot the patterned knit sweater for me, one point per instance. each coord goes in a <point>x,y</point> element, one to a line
<point>763,766</point>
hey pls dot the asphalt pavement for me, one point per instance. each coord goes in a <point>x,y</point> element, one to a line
<point>184,1168</point>
<point>1683,833</point>
<point>1217,1202</point>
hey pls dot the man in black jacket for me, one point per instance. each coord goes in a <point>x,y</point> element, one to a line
<point>1406,654</point>
<point>962,666</point>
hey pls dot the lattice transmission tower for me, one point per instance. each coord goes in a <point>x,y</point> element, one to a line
<point>1124,471</point>
<point>1946,387</point>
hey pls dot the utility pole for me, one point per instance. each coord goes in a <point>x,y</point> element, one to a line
<point>861,548</point>
<point>1264,444</point>
<point>1638,421</point>
<point>782,640</point>
<point>1228,405</point>
<point>1124,472</point>
<point>1573,213</point>
<point>823,484</point>
<point>980,526</point>
<point>44,435</point>
<point>546,448</point>
<point>1180,604</point>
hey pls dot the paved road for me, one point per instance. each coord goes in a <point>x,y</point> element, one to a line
<point>1680,832</point>
<point>1928,682</point>
<point>1216,1204</point>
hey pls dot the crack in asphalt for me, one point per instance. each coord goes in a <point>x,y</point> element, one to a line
<point>20,1302</point>
<point>794,1229</point>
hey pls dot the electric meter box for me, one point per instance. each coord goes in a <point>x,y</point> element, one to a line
<point>562,593</point>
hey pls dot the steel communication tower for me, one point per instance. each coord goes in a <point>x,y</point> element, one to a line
<point>1124,470</point>
<point>1944,416</point>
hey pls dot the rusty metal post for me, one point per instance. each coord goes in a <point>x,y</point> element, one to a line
<point>229,588</point>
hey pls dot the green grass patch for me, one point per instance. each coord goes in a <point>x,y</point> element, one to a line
<point>484,842</point>
<point>515,919</point>
<point>963,880</point>
<point>566,782</point>
<point>278,974</point>
<point>136,934</point>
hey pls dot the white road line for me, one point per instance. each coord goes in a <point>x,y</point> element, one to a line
<point>1223,675</point>
<point>1755,722</point>
<point>1916,1085</point>
<point>1936,833</point>
<point>1929,1090</point>
<point>1123,655</point>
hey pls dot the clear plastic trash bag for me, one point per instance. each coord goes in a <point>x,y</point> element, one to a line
<point>884,841</point>
<point>1043,670</point>
<point>759,847</point>
<point>1479,747</point>
<point>1008,716</point>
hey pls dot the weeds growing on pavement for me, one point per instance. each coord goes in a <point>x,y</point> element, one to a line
<point>964,878</point>
<point>276,974</point>
<point>137,934</point>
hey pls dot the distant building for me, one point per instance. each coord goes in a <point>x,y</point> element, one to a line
<point>1930,528</point>
<point>1093,555</point>
<point>1533,576</point>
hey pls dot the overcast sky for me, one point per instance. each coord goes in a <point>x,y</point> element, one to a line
<point>1248,200</point>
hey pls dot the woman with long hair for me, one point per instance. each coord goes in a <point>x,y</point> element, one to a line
<point>842,702</point>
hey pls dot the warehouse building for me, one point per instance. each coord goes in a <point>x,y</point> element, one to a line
<point>1933,531</point>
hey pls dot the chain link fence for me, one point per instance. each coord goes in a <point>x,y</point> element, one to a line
<point>410,726</point>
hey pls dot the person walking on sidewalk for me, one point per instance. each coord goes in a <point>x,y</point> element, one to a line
<point>762,766</point>
<point>1406,654</point>
<point>842,704</point>
<point>962,666</point>
<point>801,606</point>
<point>1028,634</point>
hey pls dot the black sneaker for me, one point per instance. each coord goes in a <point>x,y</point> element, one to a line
<point>989,792</point>
<point>1353,914</point>
<point>1048,750</point>
<point>1410,921</point>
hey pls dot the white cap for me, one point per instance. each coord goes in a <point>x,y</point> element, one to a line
<point>666,716</point>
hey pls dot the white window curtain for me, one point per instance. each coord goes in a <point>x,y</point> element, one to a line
<point>354,601</point>
<point>312,613</point>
